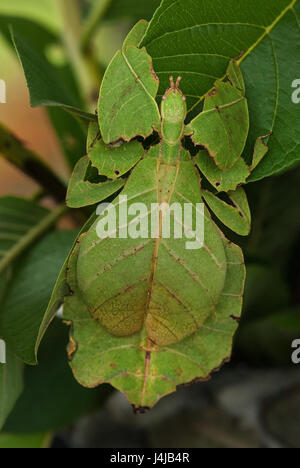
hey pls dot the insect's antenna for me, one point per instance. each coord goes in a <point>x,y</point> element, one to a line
<point>178,82</point>
<point>172,82</point>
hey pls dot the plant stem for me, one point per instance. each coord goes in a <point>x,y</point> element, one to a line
<point>98,11</point>
<point>87,82</point>
<point>41,228</point>
<point>13,150</point>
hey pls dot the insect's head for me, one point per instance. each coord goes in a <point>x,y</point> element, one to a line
<point>173,106</point>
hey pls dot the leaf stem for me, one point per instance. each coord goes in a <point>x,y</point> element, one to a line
<point>87,81</point>
<point>14,151</point>
<point>94,18</point>
<point>33,234</point>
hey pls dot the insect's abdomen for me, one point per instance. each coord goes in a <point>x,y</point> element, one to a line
<point>148,284</point>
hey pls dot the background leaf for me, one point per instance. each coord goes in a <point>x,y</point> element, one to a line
<point>28,296</point>
<point>11,385</point>
<point>45,86</point>
<point>131,9</point>
<point>18,218</point>
<point>24,440</point>
<point>52,398</point>
<point>197,38</point>
<point>71,133</point>
<point>43,12</point>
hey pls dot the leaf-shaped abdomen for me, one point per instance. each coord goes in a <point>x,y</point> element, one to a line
<point>149,284</point>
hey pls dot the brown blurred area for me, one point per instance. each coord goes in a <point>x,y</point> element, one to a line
<point>32,126</point>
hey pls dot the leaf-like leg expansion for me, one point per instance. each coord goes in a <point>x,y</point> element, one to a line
<point>223,126</point>
<point>236,216</point>
<point>235,76</point>
<point>127,105</point>
<point>260,150</point>
<point>225,180</point>
<point>81,192</point>
<point>115,162</point>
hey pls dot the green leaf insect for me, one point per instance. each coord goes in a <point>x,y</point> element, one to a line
<point>149,314</point>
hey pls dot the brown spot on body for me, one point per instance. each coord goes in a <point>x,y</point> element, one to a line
<point>71,348</point>
<point>237,319</point>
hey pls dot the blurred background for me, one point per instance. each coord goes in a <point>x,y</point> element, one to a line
<point>254,401</point>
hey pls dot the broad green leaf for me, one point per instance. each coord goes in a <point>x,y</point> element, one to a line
<point>132,9</point>
<point>26,300</point>
<point>60,290</point>
<point>129,88</point>
<point>81,192</point>
<point>197,38</point>
<point>69,129</point>
<point>71,134</point>
<point>115,162</point>
<point>25,441</point>
<point>223,181</point>
<point>157,320</point>
<point>11,385</point>
<point>19,222</point>
<point>52,398</point>
<point>223,125</point>
<point>236,216</point>
<point>44,84</point>
<point>43,12</point>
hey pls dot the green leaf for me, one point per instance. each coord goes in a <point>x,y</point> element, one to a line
<point>20,220</point>
<point>61,288</point>
<point>52,398</point>
<point>132,9</point>
<point>156,319</point>
<point>45,86</point>
<point>223,181</point>
<point>81,192</point>
<point>25,441</point>
<point>115,162</point>
<point>223,126</point>
<point>236,216</point>
<point>69,129</point>
<point>71,134</point>
<point>44,12</point>
<point>197,38</point>
<point>11,385</point>
<point>129,88</point>
<point>23,311</point>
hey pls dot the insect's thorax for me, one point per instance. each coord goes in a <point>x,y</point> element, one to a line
<point>173,114</point>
